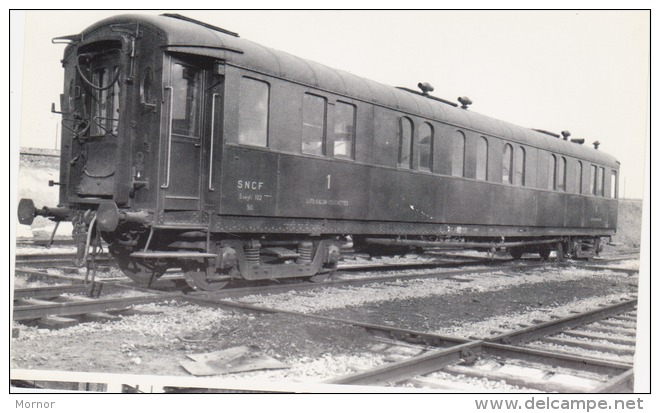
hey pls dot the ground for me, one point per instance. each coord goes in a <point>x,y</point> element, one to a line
<point>157,337</point>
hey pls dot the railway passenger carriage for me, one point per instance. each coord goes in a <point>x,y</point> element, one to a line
<point>185,145</point>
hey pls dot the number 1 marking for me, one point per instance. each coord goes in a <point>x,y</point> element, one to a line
<point>328,181</point>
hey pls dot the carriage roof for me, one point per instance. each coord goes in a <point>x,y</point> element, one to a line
<point>194,38</point>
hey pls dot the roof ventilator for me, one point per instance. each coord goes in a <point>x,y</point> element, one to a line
<point>465,102</point>
<point>425,87</point>
<point>565,134</point>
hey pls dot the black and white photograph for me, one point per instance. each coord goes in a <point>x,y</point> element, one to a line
<point>337,201</point>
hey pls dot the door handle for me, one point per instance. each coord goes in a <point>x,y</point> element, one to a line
<point>213,98</point>
<point>169,140</point>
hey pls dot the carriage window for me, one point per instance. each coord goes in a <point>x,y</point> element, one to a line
<point>99,101</point>
<point>186,100</point>
<point>425,147</point>
<point>146,88</point>
<point>507,164</point>
<point>344,130</point>
<point>519,171</point>
<point>457,154</point>
<point>482,159</point>
<point>105,101</point>
<point>578,177</point>
<point>313,133</point>
<point>614,186</point>
<point>561,178</point>
<point>600,182</point>
<point>253,112</point>
<point>99,69</point>
<point>552,172</point>
<point>74,92</point>
<point>592,181</point>
<point>405,143</point>
<point>114,115</point>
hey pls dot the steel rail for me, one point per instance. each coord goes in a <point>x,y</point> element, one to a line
<point>400,333</point>
<point>622,383</point>
<point>433,361</point>
<point>585,363</point>
<point>31,312</point>
<point>41,242</point>
<point>339,282</point>
<point>52,291</point>
<point>453,349</point>
<point>31,258</point>
<point>242,291</point>
<point>35,273</point>
<point>395,372</point>
<point>556,326</point>
<point>430,362</point>
<point>629,271</point>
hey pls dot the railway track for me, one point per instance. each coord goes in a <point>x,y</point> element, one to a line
<point>29,265</point>
<point>54,260</point>
<point>346,280</point>
<point>33,306</point>
<point>57,306</point>
<point>530,357</point>
<point>523,358</point>
<point>516,362</point>
<point>45,242</point>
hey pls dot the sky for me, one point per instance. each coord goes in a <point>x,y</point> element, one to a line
<point>582,71</point>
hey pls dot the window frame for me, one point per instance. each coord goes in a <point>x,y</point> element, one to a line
<point>199,100</point>
<point>552,173</point>
<point>240,124</point>
<point>430,145</point>
<point>593,179</point>
<point>324,124</point>
<point>481,159</point>
<point>104,103</point>
<point>614,184</point>
<point>561,173</point>
<point>458,141</point>
<point>507,166</point>
<point>579,170</point>
<point>148,88</point>
<point>519,153</point>
<point>351,155</point>
<point>410,145</point>
<point>600,184</point>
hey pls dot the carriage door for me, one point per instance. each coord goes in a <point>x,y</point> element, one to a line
<point>180,182</point>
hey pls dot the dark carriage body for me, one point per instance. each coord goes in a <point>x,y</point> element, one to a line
<point>206,143</point>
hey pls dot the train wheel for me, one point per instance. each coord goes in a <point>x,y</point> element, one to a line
<point>198,277</point>
<point>545,254</point>
<point>142,273</point>
<point>516,253</point>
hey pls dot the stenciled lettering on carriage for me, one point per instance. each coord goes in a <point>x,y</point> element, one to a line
<point>253,185</point>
